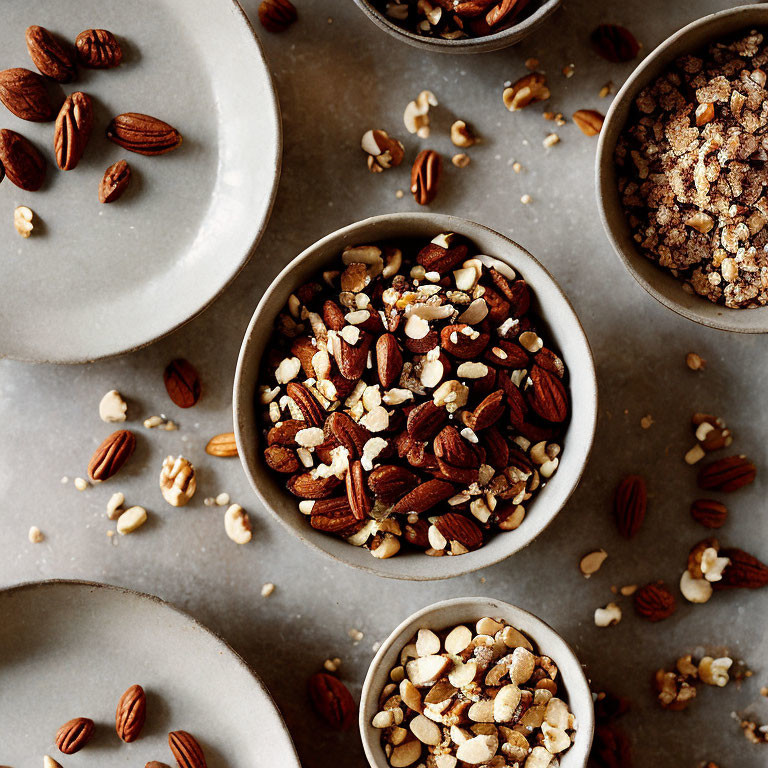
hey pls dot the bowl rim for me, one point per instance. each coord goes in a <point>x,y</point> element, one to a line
<point>492,42</point>
<point>243,389</point>
<point>544,635</point>
<point>701,311</point>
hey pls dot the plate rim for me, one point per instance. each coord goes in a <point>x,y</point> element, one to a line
<point>196,623</point>
<point>260,228</point>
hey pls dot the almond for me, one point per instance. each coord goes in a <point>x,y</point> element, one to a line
<point>548,396</point>
<point>110,456</point>
<point>389,360</point>
<point>332,701</point>
<point>353,359</point>
<point>745,571</point>
<point>143,134</point>
<point>222,445</point>
<point>655,601</point>
<point>488,411</point>
<point>709,513</point>
<point>455,527</point>
<point>507,355</point>
<point>435,258</point>
<point>98,49</point>
<point>333,316</point>
<point>426,420</point>
<point>74,735</point>
<point>50,56</point>
<point>131,713</point>
<point>307,487</point>
<point>456,458</point>
<point>424,497</point>
<point>727,474</point>
<point>24,93</point>
<point>73,129</point>
<point>182,383</point>
<point>186,750</point>
<point>390,483</point>
<point>24,165</point>
<point>629,505</point>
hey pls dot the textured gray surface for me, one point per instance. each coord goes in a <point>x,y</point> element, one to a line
<point>335,81</point>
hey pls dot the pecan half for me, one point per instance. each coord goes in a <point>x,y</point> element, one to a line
<point>143,134</point>
<point>131,713</point>
<point>390,483</point>
<point>745,571</point>
<point>111,455</point>
<point>710,513</point>
<point>186,750</point>
<point>280,458</point>
<point>182,382</point>
<point>313,412</point>
<point>24,165</point>
<point>49,55</point>
<point>655,601</point>
<point>727,474</point>
<point>629,505</point>
<point>589,121</point>
<point>426,420</point>
<point>425,176</point>
<point>455,527</point>
<point>334,515</point>
<point>277,15</point>
<point>115,182</point>
<point>73,129</point>
<point>359,500</point>
<point>332,701</point>
<point>307,487</point>
<point>24,93</point>
<point>389,360</point>
<point>424,497</point>
<point>74,735</point>
<point>98,49</point>
<point>614,43</point>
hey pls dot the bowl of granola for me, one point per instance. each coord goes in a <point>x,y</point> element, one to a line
<point>474,681</point>
<point>682,172</point>
<point>459,26</point>
<point>415,396</point>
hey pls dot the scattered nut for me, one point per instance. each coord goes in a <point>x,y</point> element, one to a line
<point>461,160</point>
<point>416,115</point>
<point>608,616</point>
<point>237,524</point>
<point>462,135</point>
<point>695,362</point>
<point>115,505</point>
<point>177,480</point>
<point>592,562</point>
<point>131,519</point>
<point>23,220</point>
<point>112,407</point>
<point>35,535</point>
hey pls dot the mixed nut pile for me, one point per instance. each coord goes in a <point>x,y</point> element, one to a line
<point>409,398</point>
<point>692,171</point>
<point>473,698</point>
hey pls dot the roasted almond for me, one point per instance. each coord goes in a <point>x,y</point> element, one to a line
<point>437,258</point>
<point>727,474</point>
<point>488,411</point>
<point>332,701</point>
<point>131,713</point>
<point>24,165</point>
<point>281,458</point>
<point>455,527</point>
<point>50,56</point>
<point>456,458</point>
<point>114,182</point>
<point>629,505</point>
<point>98,49</point>
<point>277,15</point>
<point>143,134</point>
<point>186,750</point>
<point>425,176</point>
<point>74,735</point>
<point>73,129</point>
<point>24,93</point>
<point>390,482</point>
<point>222,445</point>
<point>182,382</point>
<point>426,420</point>
<point>547,395</point>
<point>655,601</point>
<point>424,497</point>
<point>111,455</point>
<point>389,360</point>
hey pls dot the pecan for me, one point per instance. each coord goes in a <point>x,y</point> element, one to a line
<point>614,43</point>
<point>277,15</point>
<point>417,533</point>
<point>655,601</point>
<point>515,402</point>
<point>629,505</point>
<point>462,345</point>
<point>424,497</point>
<point>347,432</point>
<point>24,165</point>
<point>425,421</point>
<point>390,483</point>
<point>744,571</point>
<point>709,513</point>
<point>281,458</point>
<point>24,93</point>
<point>506,354</point>
<point>425,176</point>
<point>334,516</point>
<point>74,735</point>
<point>333,315</point>
<point>143,134</point>
<point>456,527</point>
<point>307,487</point>
<point>73,129</point>
<point>50,56</point>
<point>436,258</point>
<point>353,359</point>
<point>98,49</point>
<point>383,151</point>
<point>456,458</point>
<point>110,456</point>
<point>131,713</point>
<point>549,361</point>
<point>222,445</point>
<point>186,750</point>
<point>313,412</point>
<point>389,360</point>
<point>548,396</point>
<point>332,701</point>
<point>697,552</point>
<point>359,500</point>
<point>502,11</point>
<point>589,121</point>
<point>182,383</point>
<point>285,432</point>
<point>488,411</point>
<point>471,8</point>
<point>115,182</point>
<point>727,474</point>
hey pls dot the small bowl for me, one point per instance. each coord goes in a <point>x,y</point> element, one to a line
<point>549,303</point>
<point>465,610</point>
<point>663,286</point>
<point>494,42</point>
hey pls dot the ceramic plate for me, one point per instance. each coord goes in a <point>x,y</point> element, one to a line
<point>69,649</point>
<point>96,280</point>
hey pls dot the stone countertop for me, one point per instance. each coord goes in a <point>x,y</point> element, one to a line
<point>337,75</point>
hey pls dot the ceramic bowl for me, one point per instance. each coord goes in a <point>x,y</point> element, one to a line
<point>502,39</point>
<point>550,304</point>
<point>572,682</point>
<point>658,282</point>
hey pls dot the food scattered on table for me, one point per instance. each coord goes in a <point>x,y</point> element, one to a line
<point>332,701</point>
<point>614,43</point>
<point>222,445</point>
<point>35,535</point>
<point>472,696</point>
<point>629,505</point>
<point>111,455</point>
<point>277,15</point>
<point>74,735</point>
<point>415,378</point>
<point>383,152</point>
<point>112,407</point>
<point>182,383</point>
<point>676,688</point>
<point>23,220</point>
<point>177,480</point>
<point>98,49</point>
<point>237,524</point>
<point>655,601</point>
<point>609,616</point>
<point>693,192</point>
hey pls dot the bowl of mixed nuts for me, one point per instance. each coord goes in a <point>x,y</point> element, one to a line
<point>459,26</point>
<point>403,399</point>
<point>681,172</point>
<point>475,681</point>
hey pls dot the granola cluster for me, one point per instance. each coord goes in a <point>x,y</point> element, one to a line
<point>692,171</point>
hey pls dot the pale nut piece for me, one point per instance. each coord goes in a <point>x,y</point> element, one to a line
<point>112,407</point>
<point>482,711</point>
<point>49,762</point>
<point>410,696</point>
<point>477,750</point>
<point>514,638</point>
<point>555,739</point>
<point>458,638</point>
<point>405,754</point>
<point>384,719</point>
<point>487,626</point>
<point>427,670</point>
<point>426,731</point>
<point>522,666</point>
<point>463,673</point>
<point>557,714</point>
<point>23,220</point>
<point>539,758</point>
<point>177,480</point>
<point>715,671</point>
<point>115,505</point>
<point>695,590</point>
<point>237,524</point>
<point>592,562</point>
<point>505,703</point>
<point>131,519</point>
<point>462,135</point>
<point>427,643</point>
<point>608,616</point>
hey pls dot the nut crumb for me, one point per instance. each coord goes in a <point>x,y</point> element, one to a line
<point>569,70</point>
<point>461,160</point>
<point>222,499</point>
<point>646,422</point>
<point>628,590</point>
<point>267,589</point>
<point>81,484</point>
<point>606,90</point>
<point>526,199</point>
<point>23,220</point>
<point>332,665</point>
<point>399,194</point>
<point>161,422</point>
<point>35,535</point>
<point>551,140</point>
<point>112,407</point>
<point>355,635</point>
<point>695,362</point>
<point>592,562</point>
<point>517,167</point>
<point>608,616</point>
<point>532,64</point>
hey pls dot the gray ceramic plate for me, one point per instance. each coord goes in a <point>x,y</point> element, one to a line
<point>97,280</point>
<point>70,649</point>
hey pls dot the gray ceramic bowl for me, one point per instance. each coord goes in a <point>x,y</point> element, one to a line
<point>460,610</point>
<point>658,282</point>
<point>502,39</point>
<point>549,302</point>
